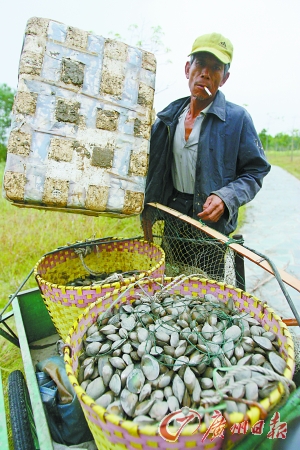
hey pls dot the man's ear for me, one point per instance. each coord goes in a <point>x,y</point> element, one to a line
<point>187,69</point>
<point>225,79</point>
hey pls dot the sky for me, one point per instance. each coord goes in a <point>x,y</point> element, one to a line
<point>264,75</point>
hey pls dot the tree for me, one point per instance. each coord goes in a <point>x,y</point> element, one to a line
<point>6,103</point>
<point>263,136</point>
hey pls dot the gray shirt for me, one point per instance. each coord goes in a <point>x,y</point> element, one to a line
<point>185,153</point>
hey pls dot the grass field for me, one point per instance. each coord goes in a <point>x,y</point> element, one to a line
<point>287,160</point>
<point>26,234</point>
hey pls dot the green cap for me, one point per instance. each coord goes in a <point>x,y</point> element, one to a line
<point>216,44</point>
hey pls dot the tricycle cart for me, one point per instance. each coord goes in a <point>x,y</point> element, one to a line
<point>37,338</point>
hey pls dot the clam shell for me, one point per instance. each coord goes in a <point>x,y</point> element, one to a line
<point>143,408</point>
<point>263,342</point>
<point>277,362</point>
<point>128,402</point>
<point>115,408</point>
<point>143,420</point>
<point>256,330</point>
<point>101,363</point>
<point>165,379</point>
<point>142,334</point>
<point>174,339</point>
<point>157,394</point>
<point>93,348</point>
<point>207,331</point>
<point>178,388</point>
<point>96,388</point>
<point>135,381</point>
<point>128,323</point>
<point>92,329</point>
<point>158,410</point>
<point>168,392</point>
<point>109,329</point>
<point>238,392</point>
<point>88,371</point>
<point>107,373</point>
<point>150,367</point>
<point>196,392</point>
<point>257,359</point>
<point>123,333</point>
<point>115,384</point>
<point>228,348</point>
<point>232,333</point>
<point>144,348</point>
<point>145,392</point>
<point>179,362</point>
<point>251,391</point>
<point>189,379</point>
<point>173,403</point>
<point>268,334</point>
<point>113,337</point>
<point>156,350</point>
<point>105,400</point>
<point>105,348</point>
<point>117,362</point>
<point>125,373</point>
<point>162,336</point>
<point>180,349</point>
<point>206,383</point>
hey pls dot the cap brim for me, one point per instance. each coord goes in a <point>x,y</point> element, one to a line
<point>223,58</point>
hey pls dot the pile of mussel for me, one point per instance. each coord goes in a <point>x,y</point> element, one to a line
<point>160,353</point>
<point>102,278</point>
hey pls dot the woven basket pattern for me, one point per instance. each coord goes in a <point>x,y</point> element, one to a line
<point>53,272</point>
<point>112,433</point>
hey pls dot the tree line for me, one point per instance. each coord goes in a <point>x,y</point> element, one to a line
<point>279,142</point>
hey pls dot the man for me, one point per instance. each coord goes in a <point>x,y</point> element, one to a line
<point>222,164</point>
<point>206,159</point>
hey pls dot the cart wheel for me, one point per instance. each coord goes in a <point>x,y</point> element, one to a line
<point>21,416</point>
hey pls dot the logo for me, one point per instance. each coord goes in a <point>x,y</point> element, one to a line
<point>223,44</point>
<point>183,416</point>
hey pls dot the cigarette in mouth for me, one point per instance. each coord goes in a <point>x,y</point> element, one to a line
<point>207,91</point>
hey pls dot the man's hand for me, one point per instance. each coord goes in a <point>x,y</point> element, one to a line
<point>213,209</point>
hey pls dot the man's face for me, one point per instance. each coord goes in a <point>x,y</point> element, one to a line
<point>205,71</point>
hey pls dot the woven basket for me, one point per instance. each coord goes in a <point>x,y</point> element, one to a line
<point>112,433</point>
<point>54,271</point>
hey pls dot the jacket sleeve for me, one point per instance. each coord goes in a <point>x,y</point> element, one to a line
<point>251,167</point>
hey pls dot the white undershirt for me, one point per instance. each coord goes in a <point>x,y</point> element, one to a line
<point>185,153</point>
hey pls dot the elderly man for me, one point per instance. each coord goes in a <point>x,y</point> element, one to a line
<point>206,159</point>
<point>204,149</point>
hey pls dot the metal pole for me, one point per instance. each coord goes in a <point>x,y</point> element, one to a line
<point>239,264</point>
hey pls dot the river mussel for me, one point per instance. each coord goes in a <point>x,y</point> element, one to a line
<point>164,352</point>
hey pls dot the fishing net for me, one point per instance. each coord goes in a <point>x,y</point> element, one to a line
<point>190,250</point>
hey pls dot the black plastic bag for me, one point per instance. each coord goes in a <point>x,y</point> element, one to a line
<point>66,421</point>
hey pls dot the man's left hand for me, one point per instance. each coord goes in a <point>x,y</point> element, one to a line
<point>213,209</point>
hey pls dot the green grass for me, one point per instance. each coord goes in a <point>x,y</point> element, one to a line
<point>26,235</point>
<point>286,160</point>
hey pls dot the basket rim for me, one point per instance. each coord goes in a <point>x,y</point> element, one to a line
<point>252,415</point>
<point>132,279</point>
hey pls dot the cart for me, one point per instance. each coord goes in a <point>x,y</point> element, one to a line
<point>37,339</point>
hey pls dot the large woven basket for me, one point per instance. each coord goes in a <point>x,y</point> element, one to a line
<point>55,271</point>
<point>112,433</point>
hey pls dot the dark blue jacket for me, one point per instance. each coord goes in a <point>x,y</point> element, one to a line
<point>231,162</point>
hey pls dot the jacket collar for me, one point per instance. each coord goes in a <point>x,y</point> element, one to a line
<point>174,109</point>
